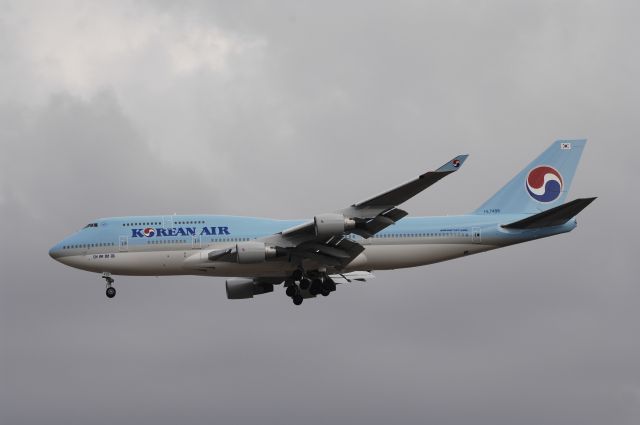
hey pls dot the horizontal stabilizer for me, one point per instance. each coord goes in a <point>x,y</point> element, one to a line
<point>553,217</point>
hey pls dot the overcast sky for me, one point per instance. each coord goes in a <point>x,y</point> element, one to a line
<point>287,109</point>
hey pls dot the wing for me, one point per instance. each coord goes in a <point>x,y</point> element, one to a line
<point>323,240</point>
<point>322,243</point>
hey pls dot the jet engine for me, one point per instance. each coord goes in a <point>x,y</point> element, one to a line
<point>331,224</point>
<point>254,252</point>
<point>240,288</point>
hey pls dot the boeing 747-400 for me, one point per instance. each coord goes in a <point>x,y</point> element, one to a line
<point>310,257</point>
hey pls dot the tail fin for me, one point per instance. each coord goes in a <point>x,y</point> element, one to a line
<point>543,184</point>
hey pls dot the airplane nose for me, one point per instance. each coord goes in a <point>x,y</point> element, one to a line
<point>54,252</point>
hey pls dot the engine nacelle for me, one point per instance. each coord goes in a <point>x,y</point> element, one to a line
<point>332,224</point>
<point>241,288</point>
<point>254,252</point>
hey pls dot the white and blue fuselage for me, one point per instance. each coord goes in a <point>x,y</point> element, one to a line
<point>172,245</point>
<point>311,256</point>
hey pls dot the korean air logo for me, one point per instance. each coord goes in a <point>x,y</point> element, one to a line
<point>544,183</point>
<point>149,232</point>
<point>455,163</point>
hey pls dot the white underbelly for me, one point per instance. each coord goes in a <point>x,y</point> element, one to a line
<point>154,263</point>
<point>387,257</point>
<point>162,263</point>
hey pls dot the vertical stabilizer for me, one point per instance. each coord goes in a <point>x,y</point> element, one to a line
<point>543,184</point>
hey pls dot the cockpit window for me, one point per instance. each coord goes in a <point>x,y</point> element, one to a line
<point>91,225</point>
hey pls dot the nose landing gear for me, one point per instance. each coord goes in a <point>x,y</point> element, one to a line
<point>110,291</point>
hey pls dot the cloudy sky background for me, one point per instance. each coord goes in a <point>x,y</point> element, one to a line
<point>288,109</point>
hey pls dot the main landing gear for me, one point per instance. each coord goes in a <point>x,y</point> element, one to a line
<point>299,283</point>
<point>294,292</point>
<point>111,291</point>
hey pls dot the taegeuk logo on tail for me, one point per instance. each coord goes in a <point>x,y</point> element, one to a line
<point>544,183</point>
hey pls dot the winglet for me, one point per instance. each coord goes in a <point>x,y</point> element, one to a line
<point>453,165</point>
<point>400,194</point>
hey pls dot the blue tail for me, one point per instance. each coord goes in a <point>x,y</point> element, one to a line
<point>543,184</point>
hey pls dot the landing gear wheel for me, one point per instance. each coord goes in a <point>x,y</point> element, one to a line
<point>326,287</point>
<point>297,300</point>
<point>304,284</point>
<point>316,286</point>
<point>111,292</point>
<point>297,275</point>
<point>331,285</point>
<point>291,291</point>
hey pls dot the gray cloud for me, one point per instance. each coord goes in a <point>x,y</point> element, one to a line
<point>287,110</point>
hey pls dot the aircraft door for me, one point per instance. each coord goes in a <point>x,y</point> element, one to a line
<point>168,222</point>
<point>124,243</point>
<point>196,242</point>
<point>476,235</point>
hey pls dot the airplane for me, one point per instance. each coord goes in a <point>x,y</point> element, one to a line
<point>310,257</point>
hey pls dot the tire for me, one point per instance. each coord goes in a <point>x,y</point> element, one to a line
<point>305,283</point>
<point>316,287</point>
<point>331,285</point>
<point>297,300</point>
<point>111,292</point>
<point>291,291</point>
<point>327,287</point>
